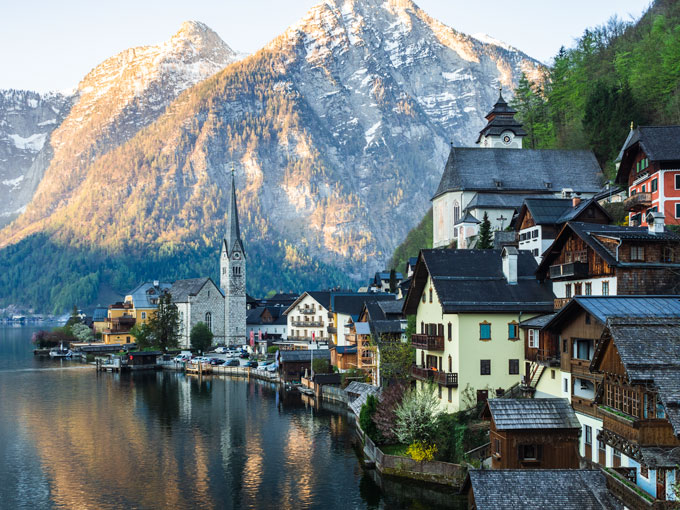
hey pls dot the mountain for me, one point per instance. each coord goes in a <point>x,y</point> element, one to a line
<point>111,104</point>
<point>26,121</point>
<point>338,130</point>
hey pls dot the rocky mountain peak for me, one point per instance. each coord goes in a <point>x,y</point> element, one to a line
<point>196,41</point>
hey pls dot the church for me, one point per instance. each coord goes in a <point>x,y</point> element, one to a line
<point>496,176</point>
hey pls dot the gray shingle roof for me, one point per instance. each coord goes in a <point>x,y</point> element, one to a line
<point>100,314</point>
<point>351,304</point>
<point>523,170</point>
<point>537,322</point>
<point>146,291</point>
<point>566,489</point>
<point>533,413</point>
<point>357,393</point>
<point>473,281</point>
<point>393,327</point>
<point>468,217</point>
<point>547,210</point>
<point>650,351</point>
<point>660,143</point>
<point>181,290</point>
<point>495,200</point>
<point>391,308</point>
<point>305,355</point>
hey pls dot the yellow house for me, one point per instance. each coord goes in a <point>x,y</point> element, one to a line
<point>138,307</point>
<point>468,305</point>
<point>99,317</point>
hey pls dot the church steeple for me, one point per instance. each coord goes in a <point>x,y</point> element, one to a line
<point>232,240</point>
<point>501,130</point>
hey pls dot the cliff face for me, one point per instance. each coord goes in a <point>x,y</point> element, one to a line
<point>338,130</point>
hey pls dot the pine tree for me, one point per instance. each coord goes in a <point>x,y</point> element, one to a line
<point>393,281</point>
<point>485,241</point>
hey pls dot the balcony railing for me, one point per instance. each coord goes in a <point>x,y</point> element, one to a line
<point>561,302</point>
<point>584,405</point>
<point>550,357</point>
<point>307,324</point>
<point>569,270</point>
<point>332,330</point>
<point>638,201</point>
<point>307,311</point>
<point>428,374</point>
<point>428,342</point>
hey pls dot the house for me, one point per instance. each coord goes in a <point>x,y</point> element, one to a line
<point>293,364</point>
<point>468,305</point>
<point>345,308</point>
<point>604,260</point>
<point>99,317</point>
<point>495,179</point>
<point>540,219</point>
<point>532,433</point>
<point>137,308</point>
<point>308,318</point>
<point>267,323</point>
<point>381,281</point>
<point>564,489</point>
<point>639,360</point>
<point>411,266</point>
<point>649,168</point>
<point>574,333</point>
<point>199,300</point>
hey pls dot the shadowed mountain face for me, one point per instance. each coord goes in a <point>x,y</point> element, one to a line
<point>338,130</point>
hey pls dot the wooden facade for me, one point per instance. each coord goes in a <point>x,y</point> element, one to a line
<point>534,449</point>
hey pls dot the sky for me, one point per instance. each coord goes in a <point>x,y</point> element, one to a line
<point>52,45</point>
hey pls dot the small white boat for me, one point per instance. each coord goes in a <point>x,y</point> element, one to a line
<point>60,352</point>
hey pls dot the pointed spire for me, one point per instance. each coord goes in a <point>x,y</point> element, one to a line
<point>233,231</point>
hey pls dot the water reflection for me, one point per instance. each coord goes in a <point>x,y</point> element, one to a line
<point>75,439</point>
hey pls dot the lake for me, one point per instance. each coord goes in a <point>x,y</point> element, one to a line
<point>73,438</point>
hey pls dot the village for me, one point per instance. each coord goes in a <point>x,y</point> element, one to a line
<point>540,328</point>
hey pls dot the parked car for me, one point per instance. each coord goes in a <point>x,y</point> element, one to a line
<point>216,361</point>
<point>271,367</point>
<point>200,359</point>
<point>244,355</point>
<point>232,363</point>
<point>264,364</point>
<point>221,350</point>
<point>181,358</point>
<point>252,364</point>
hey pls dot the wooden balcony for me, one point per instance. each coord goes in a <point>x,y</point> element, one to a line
<point>649,432</point>
<point>638,202</point>
<point>547,357</point>
<point>307,324</point>
<point>584,406</point>
<point>561,302</point>
<point>428,342</point>
<point>569,270</point>
<point>427,374</point>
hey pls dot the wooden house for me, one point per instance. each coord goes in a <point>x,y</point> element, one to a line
<point>607,260</point>
<point>639,360</point>
<point>293,364</point>
<point>539,433</point>
<point>649,168</point>
<point>563,489</point>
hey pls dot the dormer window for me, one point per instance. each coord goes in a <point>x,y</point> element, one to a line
<point>498,183</point>
<point>548,185</point>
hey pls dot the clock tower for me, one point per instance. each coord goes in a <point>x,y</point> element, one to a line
<point>233,276</point>
<point>502,131</point>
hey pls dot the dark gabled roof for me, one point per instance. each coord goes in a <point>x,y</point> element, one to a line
<point>573,213</point>
<point>660,143</point>
<point>650,352</point>
<point>142,294</point>
<point>351,304</point>
<point>387,327</point>
<point>412,261</point>
<point>100,314</point>
<point>385,275</point>
<point>602,308</point>
<point>322,297</point>
<point>497,200</point>
<point>566,489</point>
<point>391,309</point>
<point>467,218</point>
<point>473,281</point>
<point>523,170</point>
<point>537,322</point>
<point>531,413</point>
<point>300,356</point>
<point>660,457</point>
<point>589,233</point>
<point>181,290</point>
<point>254,316</point>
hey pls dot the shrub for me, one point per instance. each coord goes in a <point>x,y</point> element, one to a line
<point>417,416</point>
<point>385,416</point>
<point>272,349</point>
<point>366,418</point>
<point>422,451</point>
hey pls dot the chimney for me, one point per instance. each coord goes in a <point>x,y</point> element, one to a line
<point>509,256</point>
<point>655,223</point>
<point>575,201</point>
<point>155,283</point>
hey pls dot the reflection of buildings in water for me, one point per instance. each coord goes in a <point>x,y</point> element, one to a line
<point>184,398</point>
<point>99,448</point>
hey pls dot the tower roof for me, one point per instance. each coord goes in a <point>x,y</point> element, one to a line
<point>501,118</point>
<point>233,236</point>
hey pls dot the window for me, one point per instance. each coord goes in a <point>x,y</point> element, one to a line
<point>589,434</point>
<point>430,295</point>
<point>667,254</point>
<point>236,271</point>
<point>485,331</point>
<point>513,368</point>
<point>577,289</point>
<point>534,252</point>
<point>677,181</point>
<point>208,320</point>
<point>497,447</point>
<point>485,367</point>
<point>450,393</point>
<point>605,288</point>
<point>450,368</point>
<point>637,253</point>
<point>655,185</point>
<point>423,296</point>
<point>513,331</point>
<point>582,349</point>
<point>224,270</point>
<point>660,411</point>
<point>534,234</point>
<point>566,386</point>
<point>589,289</point>
<point>567,290</point>
<point>644,471</point>
<point>534,338</point>
<point>127,339</point>
<point>529,451</point>
<point>552,373</point>
<point>456,211</point>
<point>643,188</point>
<point>587,318</point>
<point>449,331</point>
<point>143,315</point>
<point>565,345</point>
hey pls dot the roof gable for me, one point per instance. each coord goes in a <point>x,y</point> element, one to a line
<point>524,414</point>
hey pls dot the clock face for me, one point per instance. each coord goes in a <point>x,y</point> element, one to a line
<point>237,256</point>
<point>507,139</point>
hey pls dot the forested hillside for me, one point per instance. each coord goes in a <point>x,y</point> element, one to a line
<point>615,74</point>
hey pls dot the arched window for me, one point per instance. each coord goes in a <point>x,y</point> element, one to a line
<point>450,364</point>
<point>422,328</point>
<point>449,335</point>
<point>456,211</point>
<point>208,320</point>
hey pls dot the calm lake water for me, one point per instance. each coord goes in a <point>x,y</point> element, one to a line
<point>74,439</point>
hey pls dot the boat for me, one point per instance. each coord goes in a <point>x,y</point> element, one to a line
<point>60,352</point>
